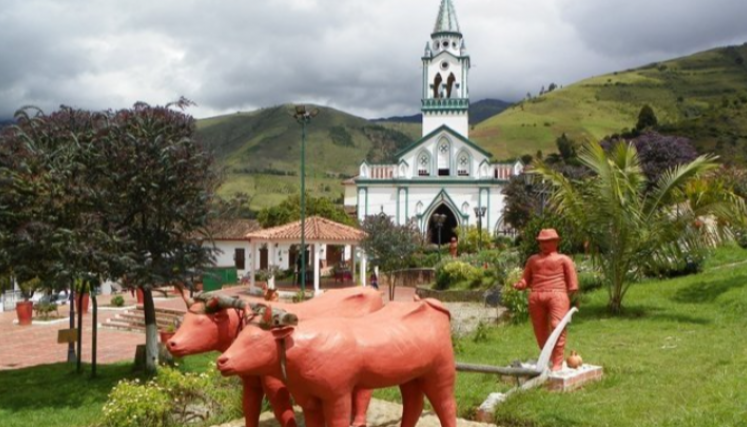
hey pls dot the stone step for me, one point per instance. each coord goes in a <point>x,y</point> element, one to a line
<point>134,320</point>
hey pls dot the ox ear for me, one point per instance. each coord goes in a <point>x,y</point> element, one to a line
<point>282,333</point>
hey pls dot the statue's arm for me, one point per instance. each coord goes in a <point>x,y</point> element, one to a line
<point>571,277</point>
<point>526,279</point>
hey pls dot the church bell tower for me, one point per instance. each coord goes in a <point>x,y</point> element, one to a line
<point>445,75</point>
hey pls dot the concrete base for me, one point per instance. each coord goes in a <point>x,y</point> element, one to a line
<point>568,379</point>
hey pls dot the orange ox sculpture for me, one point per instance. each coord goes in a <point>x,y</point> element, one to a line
<point>212,323</point>
<point>323,360</point>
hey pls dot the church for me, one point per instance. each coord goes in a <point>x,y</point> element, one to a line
<point>444,172</point>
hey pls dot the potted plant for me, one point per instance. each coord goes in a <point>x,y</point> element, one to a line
<point>25,308</point>
<point>168,332</point>
<point>82,294</point>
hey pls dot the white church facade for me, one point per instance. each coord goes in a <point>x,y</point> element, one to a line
<point>444,172</point>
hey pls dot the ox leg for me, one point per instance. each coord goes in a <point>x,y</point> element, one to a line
<point>337,411</point>
<point>361,399</point>
<point>412,402</point>
<point>251,402</point>
<point>313,415</point>
<point>280,401</point>
<point>439,389</point>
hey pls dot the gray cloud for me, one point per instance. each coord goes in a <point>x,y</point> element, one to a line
<point>357,55</point>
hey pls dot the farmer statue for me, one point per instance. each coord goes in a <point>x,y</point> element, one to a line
<point>552,281</point>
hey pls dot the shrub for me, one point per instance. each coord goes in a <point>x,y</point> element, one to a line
<point>117,301</point>
<point>44,309</point>
<point>173,398</point>
<point>741,237</point>
<point>457,274</point>
<point>516,302</point>
<point>132,404</point>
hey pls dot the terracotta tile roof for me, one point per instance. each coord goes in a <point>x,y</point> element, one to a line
<point>317,229</point>
<point>232,229</point>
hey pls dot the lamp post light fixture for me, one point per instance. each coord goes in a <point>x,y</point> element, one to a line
<point>479,213</point>
<point>534,184</point>
<point>303,116</point>
<point>439,220</point>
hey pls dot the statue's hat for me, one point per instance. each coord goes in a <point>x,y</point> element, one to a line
<point>548,234</point>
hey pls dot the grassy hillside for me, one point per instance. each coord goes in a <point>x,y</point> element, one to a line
<point>703,96</point>
<point>260,151</point>
<point>478,111</point>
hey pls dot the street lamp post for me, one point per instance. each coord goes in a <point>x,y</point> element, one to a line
<point>439,220</point>
<point>538,186</point>
<point>303,116</point>
<point>479,213</point>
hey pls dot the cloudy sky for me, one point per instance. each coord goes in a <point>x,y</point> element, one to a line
<point>361,56</point>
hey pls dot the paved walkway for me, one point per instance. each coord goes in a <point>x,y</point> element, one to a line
<point>24,346</point>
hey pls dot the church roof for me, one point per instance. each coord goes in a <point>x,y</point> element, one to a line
<point>450,131</point>
<point>447,19</point>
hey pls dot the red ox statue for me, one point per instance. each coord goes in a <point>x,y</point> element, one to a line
<point>213,322</point>
<point>325,359</point>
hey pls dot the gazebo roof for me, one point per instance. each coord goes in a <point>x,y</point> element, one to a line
<point>317,229</point>
<point>232,229</point>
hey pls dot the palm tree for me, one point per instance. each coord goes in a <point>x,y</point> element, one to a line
<point>632,230</point>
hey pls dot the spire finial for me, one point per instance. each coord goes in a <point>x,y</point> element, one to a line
<point>447,19</point>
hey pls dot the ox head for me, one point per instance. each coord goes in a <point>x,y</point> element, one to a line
<point>208,325</point>
<point>256,350</point>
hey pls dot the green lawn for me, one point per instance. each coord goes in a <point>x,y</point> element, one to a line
<point>676,357</point>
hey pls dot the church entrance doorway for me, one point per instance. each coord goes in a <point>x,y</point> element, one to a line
<point>448,229</point>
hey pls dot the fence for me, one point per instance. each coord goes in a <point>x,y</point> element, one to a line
<point>9,300</point>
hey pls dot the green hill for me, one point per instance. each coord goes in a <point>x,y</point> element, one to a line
<point>703,96</point>
<point>260,151</point>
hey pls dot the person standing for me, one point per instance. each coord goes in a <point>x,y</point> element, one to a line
<point>552,281</point>
<point>374,281</point>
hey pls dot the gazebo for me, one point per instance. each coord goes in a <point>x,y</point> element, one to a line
<point>319,233</point>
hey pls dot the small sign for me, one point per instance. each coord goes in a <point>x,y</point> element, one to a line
<point>65,336</point>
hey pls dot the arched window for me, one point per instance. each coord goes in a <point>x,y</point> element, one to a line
<point>424,164</point>
<point>444,157</point>
<point>463,164</point>
<point>437,86</point>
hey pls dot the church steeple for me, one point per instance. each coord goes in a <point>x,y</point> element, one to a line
<point>445,72</point>
<point>447,19</point>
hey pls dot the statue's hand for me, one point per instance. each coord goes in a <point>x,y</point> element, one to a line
<point>520,285</point>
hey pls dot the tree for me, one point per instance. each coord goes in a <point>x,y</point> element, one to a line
<point>659,153</point>
<point>631,230</point>
<point>388,245</point>
<point>290,210</point>
<point>160,184</point>
<point>520,204</point>
<point>646,118</point>
<point>566,147</point>
<point>52,227</point>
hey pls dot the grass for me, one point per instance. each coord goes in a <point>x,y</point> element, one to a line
<point>675,358</point>
<point>56,396</point>
<point>690,94</point>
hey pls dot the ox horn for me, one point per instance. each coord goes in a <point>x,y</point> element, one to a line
<point>188,301</point>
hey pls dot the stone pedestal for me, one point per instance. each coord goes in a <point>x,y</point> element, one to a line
<point>569,379</point>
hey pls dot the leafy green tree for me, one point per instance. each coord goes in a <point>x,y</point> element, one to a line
<point>646,118</point>
<point>566,147</point>
<point>631,230</point>
<point>388,245</point>
<point>290,210</point>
